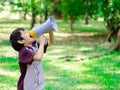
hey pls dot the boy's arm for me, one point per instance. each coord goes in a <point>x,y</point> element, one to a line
<point>51,39</point>
<point>38,56</point>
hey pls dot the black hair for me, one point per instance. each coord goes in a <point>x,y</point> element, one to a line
<point>14,37</point>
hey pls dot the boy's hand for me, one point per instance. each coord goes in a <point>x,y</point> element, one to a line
<point>42,39</point>
<point>51,39</point>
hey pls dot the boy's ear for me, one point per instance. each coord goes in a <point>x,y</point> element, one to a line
<point>20,41</point>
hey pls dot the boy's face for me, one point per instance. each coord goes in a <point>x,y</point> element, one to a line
<point>27,40</point>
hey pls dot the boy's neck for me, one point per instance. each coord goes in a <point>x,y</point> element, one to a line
<point>30,45</point>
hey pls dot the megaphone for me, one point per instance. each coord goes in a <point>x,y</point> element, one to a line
<point>49,25</point>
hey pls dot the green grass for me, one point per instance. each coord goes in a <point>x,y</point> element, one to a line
<point>69,64</point>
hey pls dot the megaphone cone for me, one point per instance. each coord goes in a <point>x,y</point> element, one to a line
<point>49,25</point>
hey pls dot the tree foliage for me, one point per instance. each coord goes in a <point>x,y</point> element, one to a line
<point>41,8</point>
<point>111,13</point>
<point>72,9</point>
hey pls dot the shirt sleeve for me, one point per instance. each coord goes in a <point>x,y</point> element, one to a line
<point>26,56</point>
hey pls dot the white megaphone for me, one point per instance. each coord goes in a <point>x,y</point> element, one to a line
<point>49,25</point>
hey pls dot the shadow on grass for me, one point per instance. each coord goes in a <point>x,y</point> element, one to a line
<point>8,83</point>
<point>80,39</point>
<point>58,79</point>
<point>9,63</point>
<point>105,72</point>
<point>8,59</point>
<point>101,74</point>
<point>8,73</point>
<point>5,79</point>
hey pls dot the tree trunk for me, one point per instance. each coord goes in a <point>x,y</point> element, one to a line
<point>117,44</point>
<point>46,13</point>
<point>86,13</point>
<point>86,17</point>
<point>40,18</point>
<point>71,23</point>
<point>33,20</point>
<point>33,13</point>
<point>25,13</point>
<point>56,12</point>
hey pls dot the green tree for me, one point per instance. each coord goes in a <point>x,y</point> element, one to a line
<point>3,3</point>
<point>91,9</point>
<point>34,8</point>
<point>47,8</point>
<point>21,6</point>
<point>72,9</point>
<point>111,13</point>
<point>25,5</point>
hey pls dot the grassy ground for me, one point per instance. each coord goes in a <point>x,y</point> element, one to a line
<point>71,64</point>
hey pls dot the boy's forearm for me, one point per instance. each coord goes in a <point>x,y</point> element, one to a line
<point>51,38</point>
<point>38,56</point>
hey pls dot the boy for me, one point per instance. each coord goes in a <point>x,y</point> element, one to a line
<point>30,57</point>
